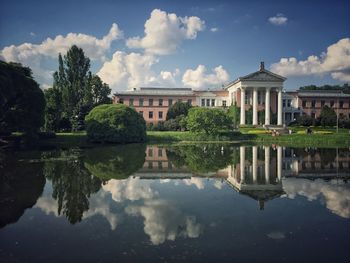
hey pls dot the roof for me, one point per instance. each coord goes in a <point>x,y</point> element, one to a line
<point>157,91</point>
<point>323,93</point>
<point>261,75</point>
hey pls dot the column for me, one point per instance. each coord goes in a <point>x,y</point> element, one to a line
<point>279,163</point>
<point>242,122</point>
<point>279,108</point>
<point>242,162</point>
<point>267,106</point>
<point>267,164</point>
<point>255,164</point>
<point>255,107</point>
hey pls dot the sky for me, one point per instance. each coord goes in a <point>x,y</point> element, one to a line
<point>196,44</point>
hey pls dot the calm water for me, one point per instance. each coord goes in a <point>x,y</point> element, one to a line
<point>194,203</point>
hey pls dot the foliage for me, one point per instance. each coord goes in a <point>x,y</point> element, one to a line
<point>115,123</point>
<point>234,114</point>
<point>327,117</point>
<point>210,121</point>
<point>22,102</point>
<point>115,162</point>
<point>75,92</point>
<point>345,88</point>
<point>177,109</point>
<point>305,120</point>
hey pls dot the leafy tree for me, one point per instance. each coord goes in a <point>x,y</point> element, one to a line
<point>99,91</point>
<point>116,123</point>
<point>305,120</point>
<point>234,114</point>
<point>177,109</point>
<point>53,109</point>
<point>22,102</point>
<point>210,121</point>
<point>345,88</point>
<point>328,117</point>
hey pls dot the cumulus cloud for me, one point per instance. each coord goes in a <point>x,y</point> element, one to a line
<point>36,55</point>
<point>164,221</point>
<point>336,196</point>
<point>129,189</point>
<point>132,70</point>
<point>214,29</point>
<point>164,32</point>
<point>335,61</point>
<point>199,78</point>
<point>278,20</point>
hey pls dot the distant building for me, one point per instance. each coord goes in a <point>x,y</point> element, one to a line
<point>261,90</point>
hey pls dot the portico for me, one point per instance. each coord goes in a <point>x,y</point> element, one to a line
<point>261,90</point>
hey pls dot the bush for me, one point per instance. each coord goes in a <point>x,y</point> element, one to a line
<point>210,121</point>
<point>177,109</point>
<point>305,120</point>
<point>115,123</point>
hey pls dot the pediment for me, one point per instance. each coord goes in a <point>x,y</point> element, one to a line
<point>263,75</point>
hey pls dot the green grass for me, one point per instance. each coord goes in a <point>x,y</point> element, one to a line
<point>330,139</point>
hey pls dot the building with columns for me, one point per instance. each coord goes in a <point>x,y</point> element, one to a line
<point>261,90</point>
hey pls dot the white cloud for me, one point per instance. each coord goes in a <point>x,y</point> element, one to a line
<point>128,71</point>
<point>164,32</point>
<point>214,29</point>
<point>32,34</point>
<point>336,61</point>
<point>164,221</point>
<point>278,20</point>
<point>36,55</point>
<point>199,78</point>
<point>335,195</point>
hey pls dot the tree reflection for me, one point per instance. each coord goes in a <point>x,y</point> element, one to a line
<point>72,184</point>
<point>203,158</point>
<point>117,162</point>
<point>21,184</point>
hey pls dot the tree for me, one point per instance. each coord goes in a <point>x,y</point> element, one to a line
<point>53,109</point>
<point>22,102</point>
<point>116,123</point>
<point>210,121</point>
<point>79,90</point>
<point>328,117</point>
<point>234,114</point>
<point>177,109</point>
<point>99,91</point>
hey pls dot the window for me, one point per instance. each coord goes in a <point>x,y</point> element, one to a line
<point>150,114</point>
<point>170,102</point>
<point>160,165</point>
<point>150,165</point>
<point>304,103</point>
<point>203,103</point>
<point>121,100</point>
<point>160,152</point>
<point>332,103</point>
<point>313,115</point>
<point>224,103</point>
<point>313,103</point>
<point>284,103</point>
<point>141,113</point>
<point>213,102</point>
<point>189,102</point>
<point>322,103</point>
<point>247,97</point>
<point>160,115</point>
<point>289,103</point>
<point>160,102</point>
<point>150,102</point>
<point>131,102</point>
<point>341,104</point>
<point>141,102</point>
<point>259,97</point>
<point>208,102</point>
<point>150,152</point>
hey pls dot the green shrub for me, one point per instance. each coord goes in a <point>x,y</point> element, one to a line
<point>210,121</point>
<point>115,123</point>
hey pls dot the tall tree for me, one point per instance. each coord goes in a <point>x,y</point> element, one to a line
<point>22,102</point>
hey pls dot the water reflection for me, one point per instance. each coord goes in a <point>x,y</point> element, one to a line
<point>138,182</point>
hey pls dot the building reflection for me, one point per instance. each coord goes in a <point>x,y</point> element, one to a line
<point>256,171</point>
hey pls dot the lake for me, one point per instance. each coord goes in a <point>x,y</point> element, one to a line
<point>195,203</point>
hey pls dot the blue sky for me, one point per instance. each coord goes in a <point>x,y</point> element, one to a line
<point>203,44</point>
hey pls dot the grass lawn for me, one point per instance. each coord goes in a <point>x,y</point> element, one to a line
<point>322,137</point>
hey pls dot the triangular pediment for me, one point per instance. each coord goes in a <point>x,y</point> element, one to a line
<point>263,75</point>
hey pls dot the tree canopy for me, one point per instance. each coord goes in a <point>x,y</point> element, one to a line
<point>328,117</point>
<point>210,121</point>
<point>22,102</point>
<point>74,93</point>
<point>177,109</point>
